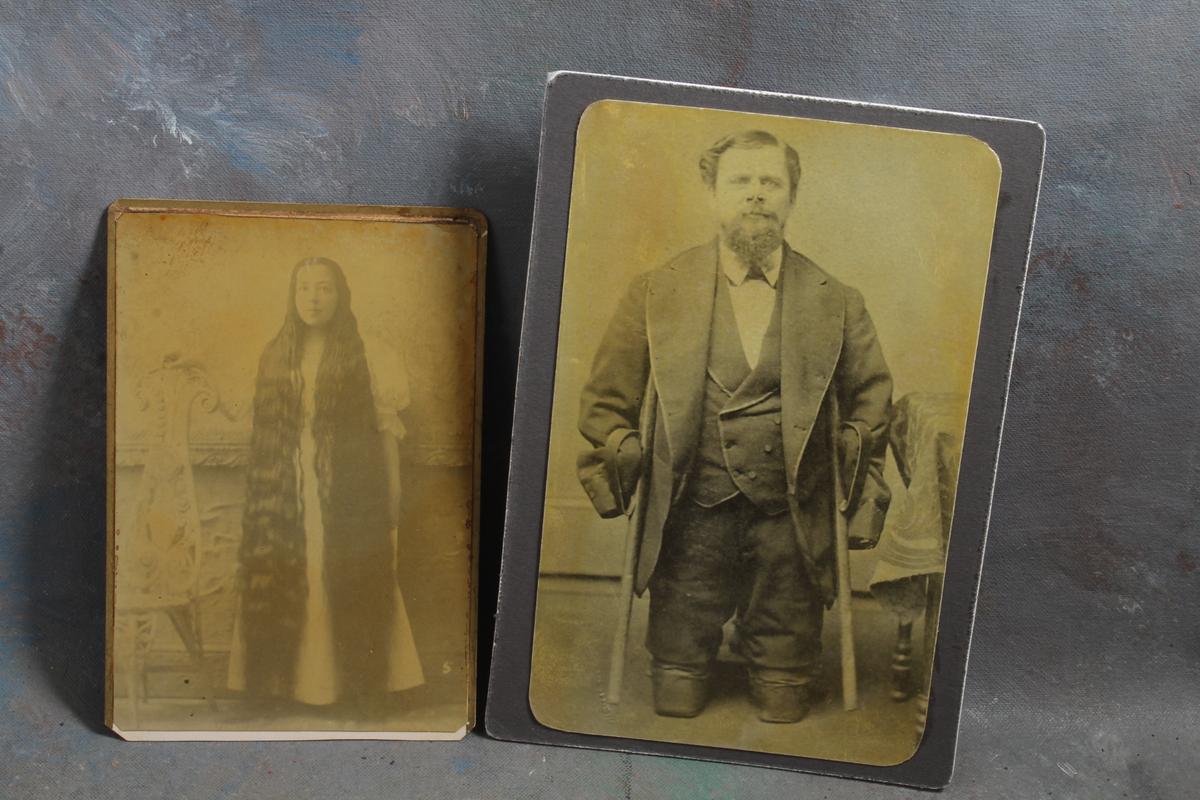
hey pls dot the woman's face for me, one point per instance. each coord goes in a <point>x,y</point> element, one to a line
<point>316,295</point>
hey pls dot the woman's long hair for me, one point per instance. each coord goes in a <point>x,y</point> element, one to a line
<point>343,369</point>
<point>349,470</point>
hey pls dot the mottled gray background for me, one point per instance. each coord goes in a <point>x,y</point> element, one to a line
<point>1084,679</point>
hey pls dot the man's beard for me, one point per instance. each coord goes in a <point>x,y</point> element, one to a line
<point>752,240</point>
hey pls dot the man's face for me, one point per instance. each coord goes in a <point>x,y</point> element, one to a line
<point>752,198</point>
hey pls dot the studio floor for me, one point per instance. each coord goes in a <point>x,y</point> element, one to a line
<point>573,640</point>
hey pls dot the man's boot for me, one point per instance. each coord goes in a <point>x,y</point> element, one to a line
<point>779,695</point>
<point>679,690</point>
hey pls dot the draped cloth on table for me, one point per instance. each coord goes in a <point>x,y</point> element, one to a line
<point>926,439</point>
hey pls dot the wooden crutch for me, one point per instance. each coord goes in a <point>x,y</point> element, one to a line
<point>842,557</point>
<point>616,664</point>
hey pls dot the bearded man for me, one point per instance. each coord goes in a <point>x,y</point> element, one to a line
<point>709,412</point>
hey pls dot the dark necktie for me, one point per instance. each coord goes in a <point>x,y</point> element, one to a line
<point>754,272</point>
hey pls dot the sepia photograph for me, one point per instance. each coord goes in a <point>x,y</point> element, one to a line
<point>765,350</point>
<point>293,478</point>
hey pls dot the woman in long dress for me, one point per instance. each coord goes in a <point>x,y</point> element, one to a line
<point>321,618</point>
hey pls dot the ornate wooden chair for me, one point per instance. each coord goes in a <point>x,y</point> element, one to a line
<point>160,561</point>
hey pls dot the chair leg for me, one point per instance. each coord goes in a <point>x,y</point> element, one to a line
<point>184,620</point>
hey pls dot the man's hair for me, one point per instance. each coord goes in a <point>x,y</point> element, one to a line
<point>749,139</point>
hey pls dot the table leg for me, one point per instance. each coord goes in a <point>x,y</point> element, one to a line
<point>933,603</point>
<point>902,683</point>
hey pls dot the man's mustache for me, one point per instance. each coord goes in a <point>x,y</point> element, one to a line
<point>757,213</point>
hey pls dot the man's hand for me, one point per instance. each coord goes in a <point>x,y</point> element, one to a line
<point>628,466</point>
<point>610,473</point>
<point>865,524</point>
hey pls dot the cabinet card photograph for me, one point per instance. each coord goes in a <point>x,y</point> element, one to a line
<point>293,410</point>
<point>767,336</point>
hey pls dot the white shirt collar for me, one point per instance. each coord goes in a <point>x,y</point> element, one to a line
<point>731,264</point>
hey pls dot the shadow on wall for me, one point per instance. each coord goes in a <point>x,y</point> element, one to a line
<point>500,166</point>
<point>65,529</point>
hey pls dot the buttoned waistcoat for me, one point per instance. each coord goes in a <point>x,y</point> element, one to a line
<point>741,435</point>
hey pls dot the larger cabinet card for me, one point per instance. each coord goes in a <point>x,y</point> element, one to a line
<point>293,445</point>
<point>762,376</point>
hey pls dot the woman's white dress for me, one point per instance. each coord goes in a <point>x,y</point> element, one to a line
<point>316,678</point>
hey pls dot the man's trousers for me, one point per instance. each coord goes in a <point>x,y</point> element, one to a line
<point>732,560</point>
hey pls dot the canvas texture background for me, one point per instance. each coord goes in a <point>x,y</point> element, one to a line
<point>1084,672</point>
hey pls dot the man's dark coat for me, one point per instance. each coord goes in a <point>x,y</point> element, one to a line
<point>641,408</point>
